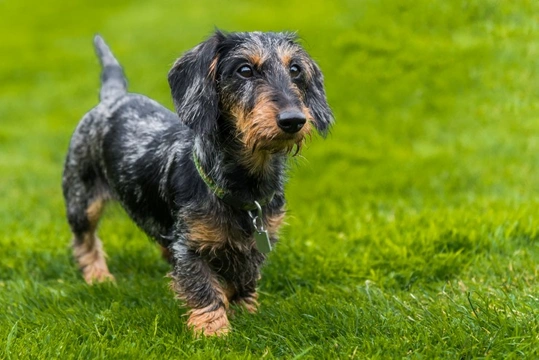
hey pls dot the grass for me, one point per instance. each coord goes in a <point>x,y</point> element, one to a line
<point>413,229</point>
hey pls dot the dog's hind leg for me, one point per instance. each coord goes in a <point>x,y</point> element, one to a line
<point>85,203</point>
<point>87,247</point>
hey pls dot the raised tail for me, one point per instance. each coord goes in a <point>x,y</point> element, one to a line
<point>113,81</point>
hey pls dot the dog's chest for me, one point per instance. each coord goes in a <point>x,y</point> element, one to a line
<point>207,233</point>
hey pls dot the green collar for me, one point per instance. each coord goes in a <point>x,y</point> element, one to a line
<point>225,195</point>
<point>219,191</point>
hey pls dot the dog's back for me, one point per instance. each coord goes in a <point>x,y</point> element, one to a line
<point>125,148</point>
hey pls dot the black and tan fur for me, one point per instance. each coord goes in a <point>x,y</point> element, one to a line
<point>243,101</point>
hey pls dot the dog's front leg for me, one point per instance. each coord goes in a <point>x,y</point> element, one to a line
<point>196,284</point>
<point>245,280</point>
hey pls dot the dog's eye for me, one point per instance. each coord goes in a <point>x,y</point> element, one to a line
<point>294,71</point>
<point>245,71</point>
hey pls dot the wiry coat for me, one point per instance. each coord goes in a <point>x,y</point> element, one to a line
<point>229,93</point>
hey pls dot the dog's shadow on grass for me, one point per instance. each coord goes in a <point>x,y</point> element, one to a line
<point>58,264</point>
<point>144,261</point>
<point>50,279</point>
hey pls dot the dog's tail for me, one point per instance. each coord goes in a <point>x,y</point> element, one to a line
<point>113,81</point>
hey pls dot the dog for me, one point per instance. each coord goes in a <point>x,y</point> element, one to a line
<point>207,181</point>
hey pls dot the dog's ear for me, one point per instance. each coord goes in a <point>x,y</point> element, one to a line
<point>193,85</point>
<point>315,99</point>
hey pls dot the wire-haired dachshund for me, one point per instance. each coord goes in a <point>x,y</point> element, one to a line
<point>207,181</point>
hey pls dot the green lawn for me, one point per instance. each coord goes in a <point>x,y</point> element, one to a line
<point>413,230</point>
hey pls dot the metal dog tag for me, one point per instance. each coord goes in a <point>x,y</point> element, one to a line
<point>262,239</point>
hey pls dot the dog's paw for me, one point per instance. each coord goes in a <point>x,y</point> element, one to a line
<point>249,303</point>
<point>97,273</point>
<point>209,322</point>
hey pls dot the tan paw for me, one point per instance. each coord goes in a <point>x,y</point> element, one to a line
<point>209,322</point>
<point>249,303</point>
<point>97,272</point>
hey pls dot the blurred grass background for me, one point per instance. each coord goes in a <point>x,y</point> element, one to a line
<point>412,228</point>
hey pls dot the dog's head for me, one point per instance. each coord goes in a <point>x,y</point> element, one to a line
<point>264,85</point>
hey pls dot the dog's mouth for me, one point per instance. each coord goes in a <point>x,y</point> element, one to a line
<point>282,142</point>
<point>286,138</point>
<point>274,132</point>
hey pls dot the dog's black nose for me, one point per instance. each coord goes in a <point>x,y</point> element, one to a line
<point>291,121</point>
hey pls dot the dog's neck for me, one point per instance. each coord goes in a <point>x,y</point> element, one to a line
<point>239,171</point>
